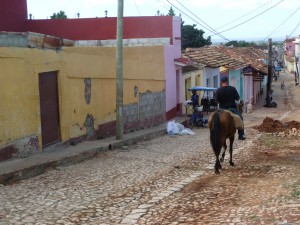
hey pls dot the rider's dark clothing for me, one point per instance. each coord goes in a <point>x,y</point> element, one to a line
<point>226,97</point>
<point>195,100</point>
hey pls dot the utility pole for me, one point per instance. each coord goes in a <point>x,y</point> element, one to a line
<point>119,65</point>
<point>297,71</point>
<point>270,74</point>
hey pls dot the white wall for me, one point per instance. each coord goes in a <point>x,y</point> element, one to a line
<point>209,74</point>
<point>248,89</point>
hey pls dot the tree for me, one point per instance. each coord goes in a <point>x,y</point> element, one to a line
<point>171,12</point>
<point>60,15</point>
<point>241,44</point>
<point>192,37</point>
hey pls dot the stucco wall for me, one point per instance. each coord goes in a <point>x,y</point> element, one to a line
<point>290,66</point>
<point>209,74</point>
<point>19,91</point>
<point>173,73</point>
<point>191,79</point>
<point>20,67</point>
<point>235,79</point>
<point>104,28</point>
<point>248,89</point>
<point>171,90</point>
<point>290,47</point>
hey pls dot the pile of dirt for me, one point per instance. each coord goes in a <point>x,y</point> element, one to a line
<point>270,125</point>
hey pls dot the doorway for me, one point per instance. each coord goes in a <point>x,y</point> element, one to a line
<point>49,108</point>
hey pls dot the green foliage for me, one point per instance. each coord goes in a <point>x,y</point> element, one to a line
<point>240,44</point>
<point>192,37</point>
<point>171,12</point>
<point>60,15</point>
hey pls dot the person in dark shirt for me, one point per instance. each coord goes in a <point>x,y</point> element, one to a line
<point>227,96</point>
<point>296,78</point>
<point>195,99</point>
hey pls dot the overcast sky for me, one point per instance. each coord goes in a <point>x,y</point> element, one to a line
<point>243,19</point>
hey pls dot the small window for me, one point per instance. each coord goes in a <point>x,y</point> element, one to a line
<point>215,81</point>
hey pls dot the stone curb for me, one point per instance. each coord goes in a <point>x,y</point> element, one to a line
<point>33,168</point>
<point>39,168</point>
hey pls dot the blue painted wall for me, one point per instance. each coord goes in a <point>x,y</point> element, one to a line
<point>237,80</point>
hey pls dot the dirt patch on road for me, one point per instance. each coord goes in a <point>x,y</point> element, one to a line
<point>263,188</point>
<point>270,125</point>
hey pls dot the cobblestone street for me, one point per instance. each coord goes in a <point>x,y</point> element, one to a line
<point>171,180</point>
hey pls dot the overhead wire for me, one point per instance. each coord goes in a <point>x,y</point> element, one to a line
<point>251,17</point>
<point>294,30</point>
<point>164,4</point>
<point>214,31</point>
<point>244,15</point>
<point>197,21</point>
<point>283,23</point>
<point>137,7</point>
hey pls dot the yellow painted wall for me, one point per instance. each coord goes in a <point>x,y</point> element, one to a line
<point>193,78</point>
<point>100,62</point>
<point>20,67</point>
<point>143,67</point>
<point>19,106</point>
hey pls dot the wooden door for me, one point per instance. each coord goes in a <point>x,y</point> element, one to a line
<point>49,107</point>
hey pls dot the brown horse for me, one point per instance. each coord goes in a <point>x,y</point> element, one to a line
<point>221,126</point>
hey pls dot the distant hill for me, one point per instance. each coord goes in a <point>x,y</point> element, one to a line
<point>256,40</point>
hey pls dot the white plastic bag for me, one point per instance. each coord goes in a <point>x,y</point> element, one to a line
<point>187,102</point>
<point>187,131</point>
<point>172,128</point>
<point>177,128</point>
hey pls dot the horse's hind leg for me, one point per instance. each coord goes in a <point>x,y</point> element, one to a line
<point>217,165</point>
<point>231,151</point>
<point>223,154</point>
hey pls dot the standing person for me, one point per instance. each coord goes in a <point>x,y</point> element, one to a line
<point>282,85</point>
<point>195,99</point>
<point>227,96</point>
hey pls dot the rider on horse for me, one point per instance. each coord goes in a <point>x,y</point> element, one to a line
<point>227,96</point>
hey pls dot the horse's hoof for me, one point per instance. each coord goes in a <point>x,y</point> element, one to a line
<point>217,172</point>
<point>231,164</point>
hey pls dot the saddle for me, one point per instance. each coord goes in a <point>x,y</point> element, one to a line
<point>238,123</point>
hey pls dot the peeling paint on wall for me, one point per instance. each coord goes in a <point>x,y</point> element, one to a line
<point>148,112</point>
<point>21,148</point>
<point>22,120</point>
<point>27,146</point>
<point>130,116</point>
<point>89,125</point>
<point>87,90</point>
<point>136,91</point>
<point>151,104</point>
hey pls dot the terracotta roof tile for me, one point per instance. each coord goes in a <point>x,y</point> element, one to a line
<point>233,58</point>
<point>249,55</point>
<point>183,61</point>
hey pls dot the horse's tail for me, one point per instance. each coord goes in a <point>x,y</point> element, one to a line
<point>215,133</point>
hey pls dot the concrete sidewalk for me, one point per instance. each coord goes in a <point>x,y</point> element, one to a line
<point>60,155</point>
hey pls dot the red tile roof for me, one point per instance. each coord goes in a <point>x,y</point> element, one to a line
<point>232,58</point>
<point>183,61</point>
<point>209,56</point>
<point>249,55</point>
